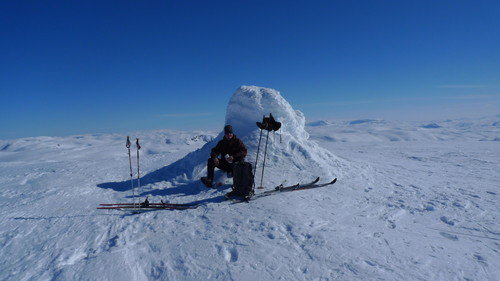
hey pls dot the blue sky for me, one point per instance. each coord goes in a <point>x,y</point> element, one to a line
<point>74,67</point>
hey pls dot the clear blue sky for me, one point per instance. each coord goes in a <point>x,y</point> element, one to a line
<point>74,67</point>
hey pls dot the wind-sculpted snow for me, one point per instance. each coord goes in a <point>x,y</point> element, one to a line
<point>248,105</point>
<point>424,207</point>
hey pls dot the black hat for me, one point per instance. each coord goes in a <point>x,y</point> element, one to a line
<point>228,129</point>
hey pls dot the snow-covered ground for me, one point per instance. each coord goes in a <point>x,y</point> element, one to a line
<point>414,201</point>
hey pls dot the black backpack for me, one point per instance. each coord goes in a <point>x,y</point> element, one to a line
<point>243,179</point>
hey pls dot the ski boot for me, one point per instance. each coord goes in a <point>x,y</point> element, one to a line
<point>207,182</point>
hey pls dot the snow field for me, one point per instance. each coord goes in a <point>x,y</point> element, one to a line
<point>414,201</point>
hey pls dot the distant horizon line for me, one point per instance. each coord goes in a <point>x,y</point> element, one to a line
<point>309,123</point>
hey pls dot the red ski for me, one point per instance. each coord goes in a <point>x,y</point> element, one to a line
<point>146,206</point>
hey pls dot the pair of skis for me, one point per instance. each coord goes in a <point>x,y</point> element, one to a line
<point>146,206</point>
<point>296,187</point>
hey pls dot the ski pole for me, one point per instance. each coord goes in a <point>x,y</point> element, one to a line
<point>138,165</point>
<point>130,162</point>
<point>264,163</point>
<point>257,157</point>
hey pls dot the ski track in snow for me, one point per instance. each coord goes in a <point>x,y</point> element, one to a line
<point>420,207</point>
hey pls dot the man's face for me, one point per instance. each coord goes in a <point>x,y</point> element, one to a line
<point>229,136</point>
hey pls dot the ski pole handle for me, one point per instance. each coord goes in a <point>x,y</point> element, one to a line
<point>128,142</point>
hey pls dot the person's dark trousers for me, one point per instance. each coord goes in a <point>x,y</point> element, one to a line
<point>223,165</point>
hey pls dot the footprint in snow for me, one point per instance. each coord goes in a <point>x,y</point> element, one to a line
<point>112,242</point>
<point>480,259</point>
<point>449,236</point>
<point>447,220</point>
<point>391,224</point>
<point>231,255</point>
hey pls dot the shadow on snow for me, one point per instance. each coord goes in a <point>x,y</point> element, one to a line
<point>184,173</point>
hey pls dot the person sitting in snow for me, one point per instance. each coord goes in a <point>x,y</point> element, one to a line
<point>231,149</point>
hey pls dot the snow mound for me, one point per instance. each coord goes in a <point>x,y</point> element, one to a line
<point>365,121</point>
<point>318,123</point>
<point>431,126</point>
<point>289,150</point>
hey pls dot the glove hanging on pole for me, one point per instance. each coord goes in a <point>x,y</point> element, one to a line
<point>269,123</point>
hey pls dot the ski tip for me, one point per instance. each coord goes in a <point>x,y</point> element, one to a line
<point>334,180</point>
<point>316,180</point>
